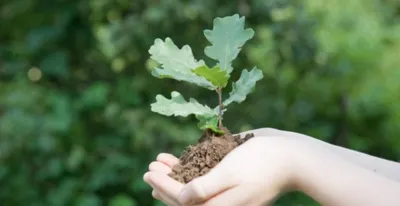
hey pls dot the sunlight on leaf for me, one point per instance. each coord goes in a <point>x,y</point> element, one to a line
<point>216,75</point>
<point>209,122</point>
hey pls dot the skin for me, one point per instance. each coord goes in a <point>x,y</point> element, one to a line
<point>282,161</point>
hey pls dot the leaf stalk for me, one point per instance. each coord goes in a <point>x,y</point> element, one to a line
<point>221,106</point>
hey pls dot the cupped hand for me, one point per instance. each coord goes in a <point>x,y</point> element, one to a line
<point>164,187</point>
<point>253,174</point>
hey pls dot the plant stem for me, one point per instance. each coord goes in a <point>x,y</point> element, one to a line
<point>221,106</point>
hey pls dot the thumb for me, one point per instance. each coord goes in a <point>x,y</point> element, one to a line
<point>205,187</point>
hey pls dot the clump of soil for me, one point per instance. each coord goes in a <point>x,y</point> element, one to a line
<point>200,158</point>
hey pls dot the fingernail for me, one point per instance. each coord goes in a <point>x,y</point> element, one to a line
<point>161,156</point>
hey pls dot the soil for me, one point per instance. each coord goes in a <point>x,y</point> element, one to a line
<point>200,158</point>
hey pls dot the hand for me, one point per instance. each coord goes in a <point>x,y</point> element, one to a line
<point>164,187</point>
<point>275,161</point>
<point>253,174</point>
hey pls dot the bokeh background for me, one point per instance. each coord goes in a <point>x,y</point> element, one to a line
<point>75,88</point>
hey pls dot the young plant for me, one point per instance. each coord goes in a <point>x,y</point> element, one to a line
<point>227,38</point>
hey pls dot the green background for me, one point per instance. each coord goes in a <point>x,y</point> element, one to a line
<point>75,88</point>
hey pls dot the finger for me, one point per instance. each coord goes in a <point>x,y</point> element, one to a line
<point>146,177</point>
<point>160,167</point>
<point>167,159</point>
<point>155,194</point>
<point>234,196</point>
<point>240,195</point>
<point>163,189</point>
<point>261,132</point>
<point>165,184</point>
<point>205,187</point>
<point>163,198</point>
<point>255,132</point>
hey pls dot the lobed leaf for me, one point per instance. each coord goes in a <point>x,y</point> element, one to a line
<point>215,75</point>
<point>227,38</point>
<point>177,63</point>
<point>209,122</point>
<point>178,106</point>
<point>187,77</point>
<point>243,86</point>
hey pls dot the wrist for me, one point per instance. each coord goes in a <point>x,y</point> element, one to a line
<point>288,159</point>
<point>307,163</point>
<point>294,156</point>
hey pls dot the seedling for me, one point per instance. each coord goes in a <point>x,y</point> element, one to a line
<point>227,39</point>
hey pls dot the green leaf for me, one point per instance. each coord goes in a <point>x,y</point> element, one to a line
<point>177,63</point>
<point>187,77</point>
<point>216,75</point>
<point>209,122</point>
<point>75,158</point>
<point>88,200</point>
<point>178,106</point>
<point>122,200</point>
<point>227,38</point>
<point>244,85</point>
<point>56,64</point>
<point>95,95</point>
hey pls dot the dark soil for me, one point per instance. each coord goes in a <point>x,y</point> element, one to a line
<point>200,158</point>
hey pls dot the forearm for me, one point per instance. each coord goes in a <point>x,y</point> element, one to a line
<point>332,180</point>
<point>389,169</point>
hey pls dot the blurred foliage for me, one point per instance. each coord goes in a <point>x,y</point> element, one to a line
<point>75,88</point>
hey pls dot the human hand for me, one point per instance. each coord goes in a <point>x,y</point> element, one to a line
<point>272,162</point>
<point>164,187</point>
<point>253,174</point>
